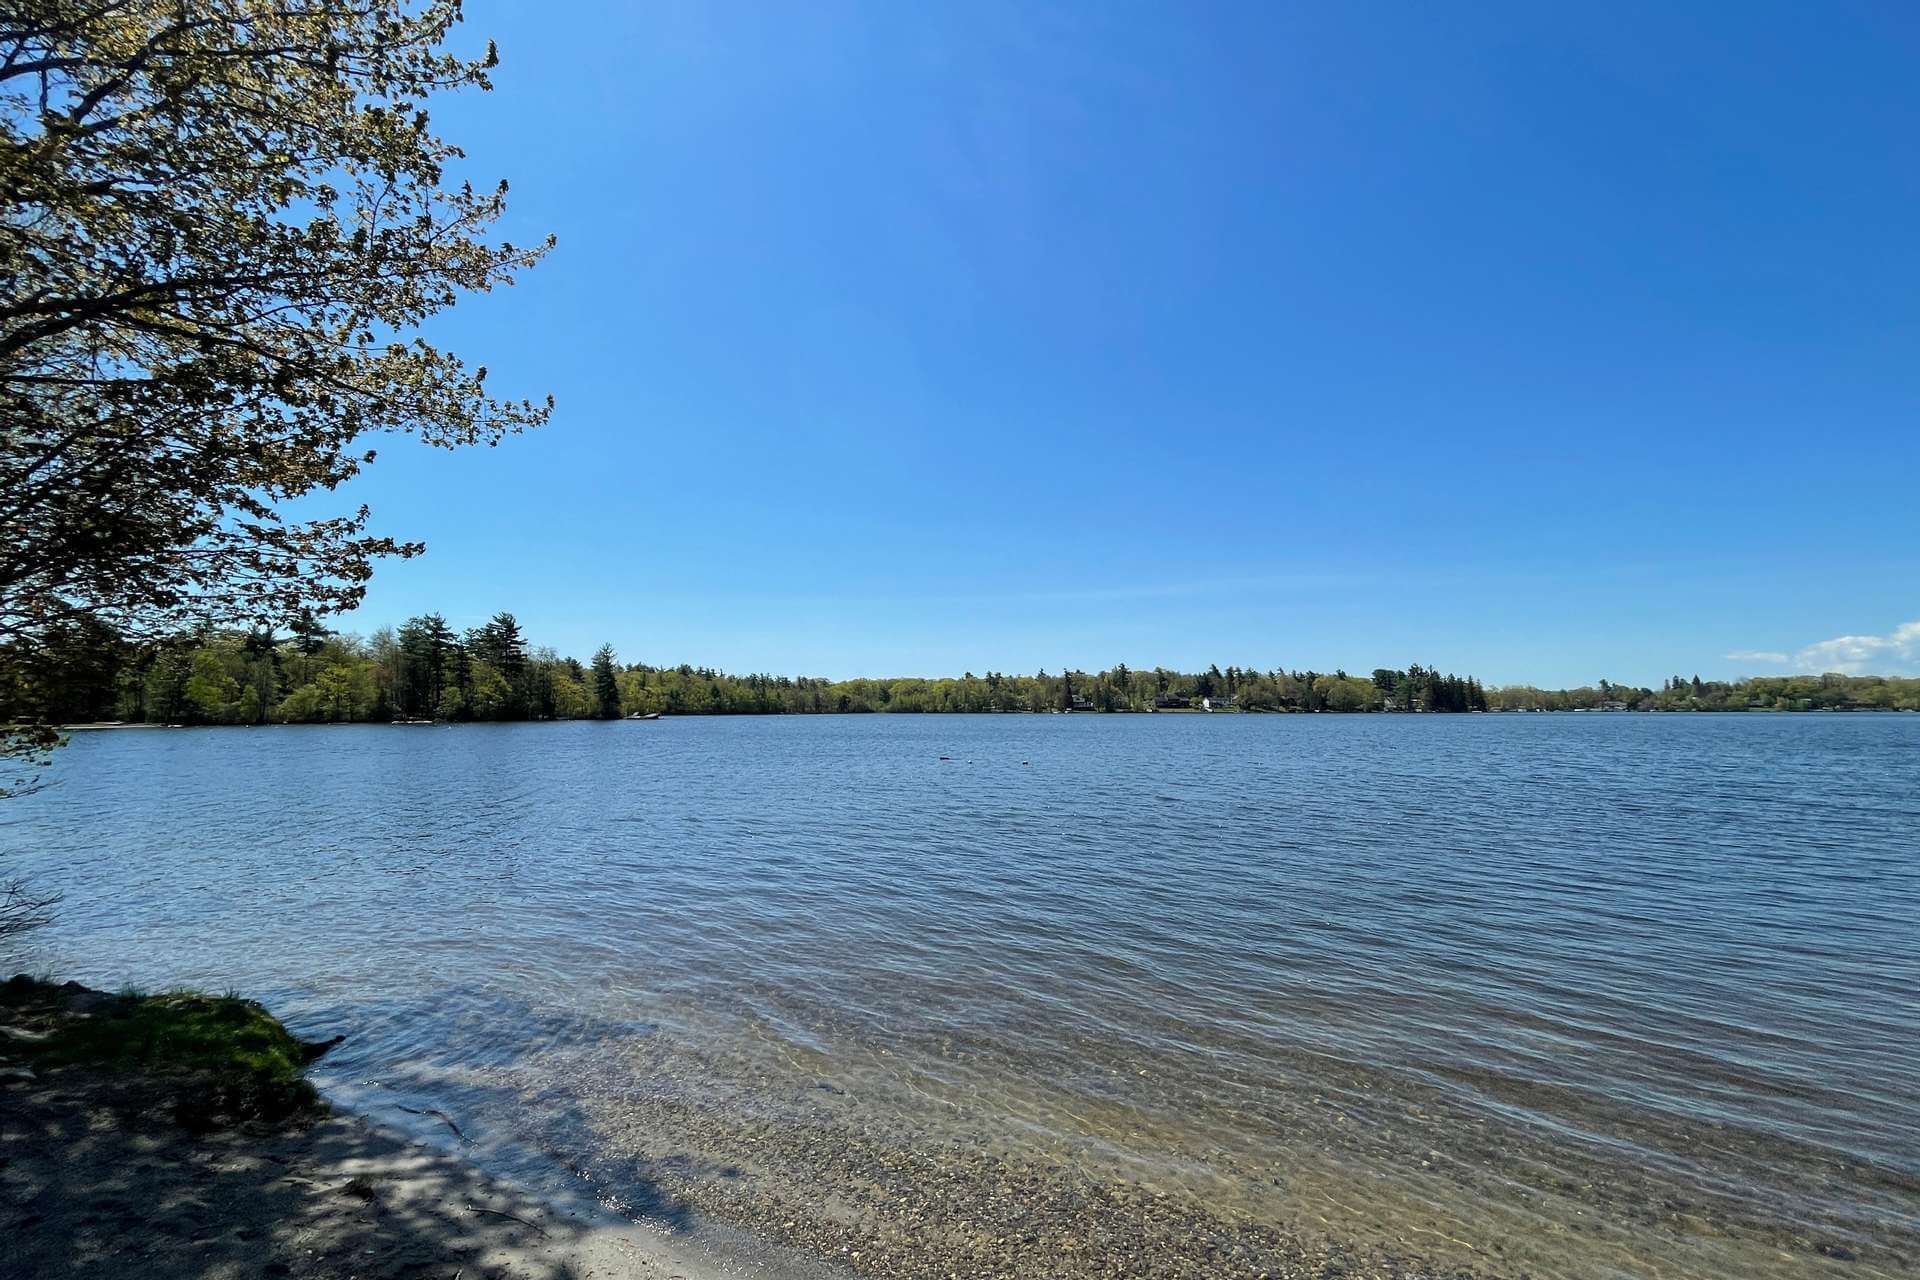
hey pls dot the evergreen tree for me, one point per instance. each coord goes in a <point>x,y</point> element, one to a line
<point>606,685</point>
<point>308,634</point>
<point>460,682</point>
<point>501,646</point>
<point>425,645</point>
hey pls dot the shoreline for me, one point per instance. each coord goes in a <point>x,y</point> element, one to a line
<point>693,1179</point>
<point>98,1181</point>
<point>106,726</point>
<point>342,1196</point>
<point>103,1168</point>
<point>116,1170</point>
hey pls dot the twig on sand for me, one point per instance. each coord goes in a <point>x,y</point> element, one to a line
<point>439,1115</point>
<point>501,1213</point>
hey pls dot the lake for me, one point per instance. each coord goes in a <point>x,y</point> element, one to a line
<point>1575,995</point>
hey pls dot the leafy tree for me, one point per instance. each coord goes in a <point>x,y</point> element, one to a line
<point>489,697</point>
<point>221,224</point>
<point>341,692</point>
<point>209,688</point>
<point>1341,692</point>
<point>571,701</point>
<point>253,705</point>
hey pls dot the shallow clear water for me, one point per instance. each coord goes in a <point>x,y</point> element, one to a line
<point>1577,995</point>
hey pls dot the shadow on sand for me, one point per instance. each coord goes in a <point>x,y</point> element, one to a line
<point>96,1180</point>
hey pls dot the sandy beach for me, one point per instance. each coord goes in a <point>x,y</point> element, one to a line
<point>97,1178</point>
<point>94,1182</point>
<point>165,1170</point>
<point>171,1170</point>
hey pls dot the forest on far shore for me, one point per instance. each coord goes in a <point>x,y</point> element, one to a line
<point>424,670</point>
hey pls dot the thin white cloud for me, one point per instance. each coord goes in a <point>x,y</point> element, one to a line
<point>1757,655</point>
<point>1896,653</point>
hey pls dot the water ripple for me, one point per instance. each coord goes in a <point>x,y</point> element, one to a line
<point>1685,945</point>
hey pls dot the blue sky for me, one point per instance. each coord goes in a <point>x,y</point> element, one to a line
<point>1541,342</point>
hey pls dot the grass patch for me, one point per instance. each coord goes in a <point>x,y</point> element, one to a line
<point>219,1057</point>
<point>179,1031</point>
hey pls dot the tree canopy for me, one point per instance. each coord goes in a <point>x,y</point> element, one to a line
<point>221,224</point>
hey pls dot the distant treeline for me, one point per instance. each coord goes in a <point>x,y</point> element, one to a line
<point>424,670</point>
<point>1829,692</point>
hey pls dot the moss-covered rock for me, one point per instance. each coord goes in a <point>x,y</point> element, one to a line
<point>212,1058</point>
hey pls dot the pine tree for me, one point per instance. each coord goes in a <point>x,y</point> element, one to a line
<point>501,645</point>
<point>606,685</point>
<point>309,636</point>
<point>425,645</point>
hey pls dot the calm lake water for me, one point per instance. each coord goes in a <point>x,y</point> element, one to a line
<point>1571,995</point>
